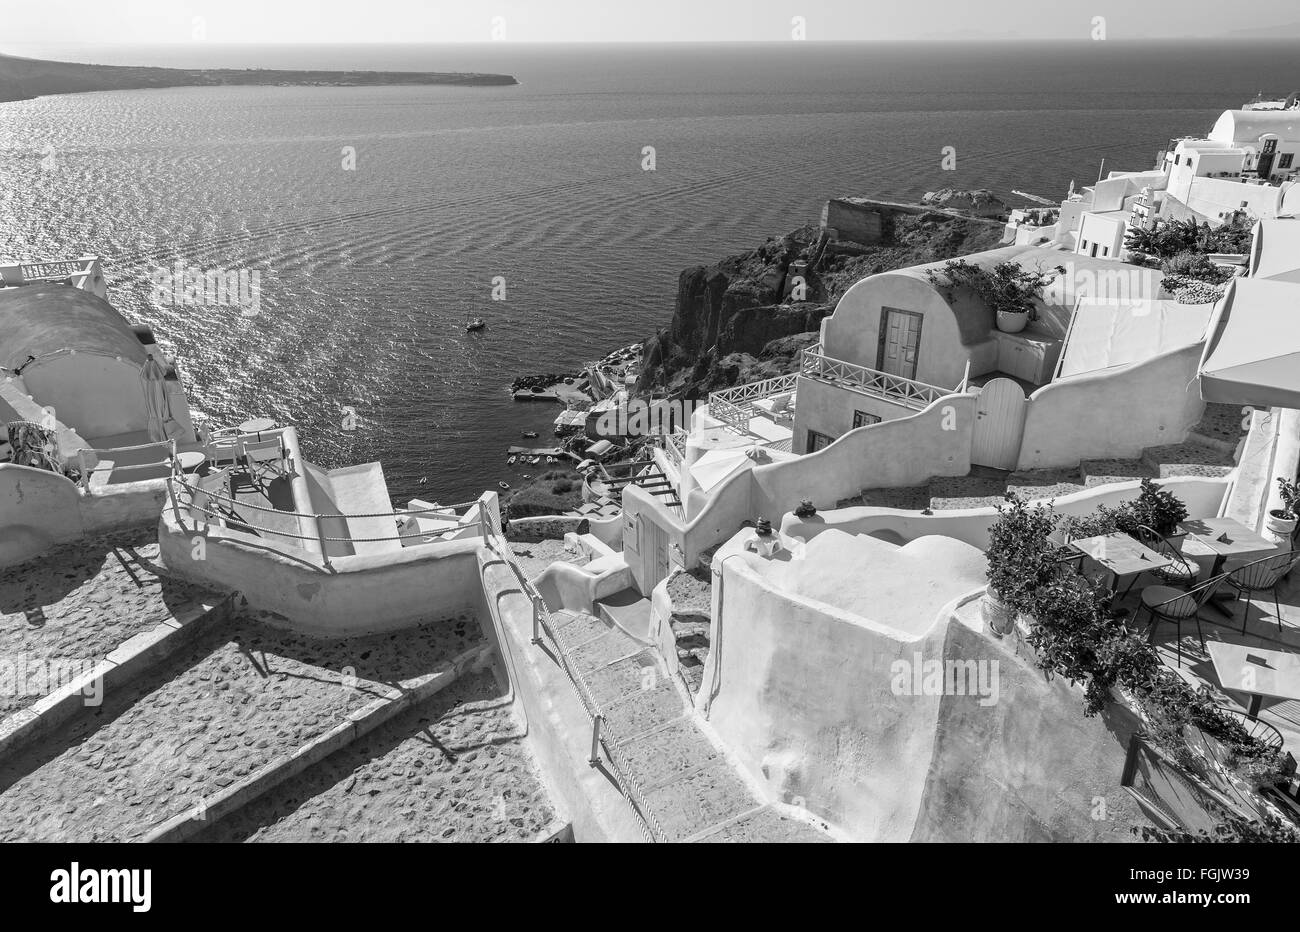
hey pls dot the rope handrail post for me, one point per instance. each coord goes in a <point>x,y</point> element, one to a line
<point>537,620</point>
<point>596,721</point>
<point>324,546</point>
<point>176,505</point>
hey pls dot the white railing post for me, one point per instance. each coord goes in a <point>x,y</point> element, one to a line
<point>537,620</point>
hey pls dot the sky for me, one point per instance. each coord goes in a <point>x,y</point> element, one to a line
<point>135,22</point>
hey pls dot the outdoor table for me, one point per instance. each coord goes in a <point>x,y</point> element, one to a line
<point>1240,543</point>
<point>1257,671</point>
<point>1121,555</point>
<point>257,425</point>
<point>1204,547</point>
<point>190,460</point>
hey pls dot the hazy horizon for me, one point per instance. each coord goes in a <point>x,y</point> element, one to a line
<point>293,22</point>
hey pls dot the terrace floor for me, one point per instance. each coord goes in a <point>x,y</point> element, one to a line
<point>79,601</point>
<point>1261,630</point>
<point>240,696</point>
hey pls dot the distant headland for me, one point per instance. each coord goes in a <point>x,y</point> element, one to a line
<point>24,78</point>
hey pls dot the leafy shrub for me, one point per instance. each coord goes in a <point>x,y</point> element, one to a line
<point>1020,556</point>
<point>1007,286</point>
<point>1289,490</point>
<point>1197,266</point>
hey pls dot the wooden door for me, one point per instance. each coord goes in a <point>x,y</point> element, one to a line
<point>900,342</point>
<point>999,425</point>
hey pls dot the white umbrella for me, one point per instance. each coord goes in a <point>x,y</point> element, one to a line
<point>156,405</point>
<point>715,465</point>
<point>1252,351</point>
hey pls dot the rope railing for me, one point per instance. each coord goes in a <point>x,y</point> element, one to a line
<point>320,537</point>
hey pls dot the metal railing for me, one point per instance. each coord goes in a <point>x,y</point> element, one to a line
<point>906,392</point>
<point>602,736</point>
<point>734,406</point>
<point>168,462</point>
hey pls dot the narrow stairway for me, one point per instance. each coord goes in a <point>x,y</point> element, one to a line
<point>692,791</point>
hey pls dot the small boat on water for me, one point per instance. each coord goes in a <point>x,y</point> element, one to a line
<point>478,323</point>
<point>504,486</point>
<point>530,434</point>
<point>510,460</point>
<point>528,475</point>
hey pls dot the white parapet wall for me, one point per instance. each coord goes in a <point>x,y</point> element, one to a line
<point>1204,497</point>
<point>839,714</point>
<point>351,596</point>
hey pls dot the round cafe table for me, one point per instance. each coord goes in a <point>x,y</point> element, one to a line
<point>190,460</point>
<point>257,425</point>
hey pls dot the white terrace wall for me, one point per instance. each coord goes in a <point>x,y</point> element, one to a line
<point>1213,196</point>
<point>39,509</point>
<point>356,595</point>
<point>805,698</point>
<point>933,442</point>
<point>1158,402</point>
<point>1203,496</point>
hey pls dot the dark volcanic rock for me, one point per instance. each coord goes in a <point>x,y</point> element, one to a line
<point>736,321</point>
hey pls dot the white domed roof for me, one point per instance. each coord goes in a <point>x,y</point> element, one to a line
<point>1249,125</point>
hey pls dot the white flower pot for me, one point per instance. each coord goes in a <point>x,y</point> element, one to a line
<point>997,617</point>
<point>1279,526</point>
<point>1012,321</point>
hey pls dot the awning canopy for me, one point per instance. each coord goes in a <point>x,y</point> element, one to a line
<point>1106,334</point>
<point>1252,355</point>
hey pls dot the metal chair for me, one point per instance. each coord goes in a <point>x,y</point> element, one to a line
<point>1179,572</point>
<point>1260,731</point>
<point>1168,604</point>
<point>1263,576</point>
<point>269,455</point>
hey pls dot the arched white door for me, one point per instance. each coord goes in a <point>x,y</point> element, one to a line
<point>999,424</point>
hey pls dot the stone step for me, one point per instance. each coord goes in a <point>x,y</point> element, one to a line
<point>577,628</point>
<point>699,800</point>
<point>1221,426</point>
<point>966,491</point>
<point>602,651</point>
<point>666,754</point>
<point>1186,459</point>
<point>1194,436</point>
<point>657,702</point>
<point>1104,472</point>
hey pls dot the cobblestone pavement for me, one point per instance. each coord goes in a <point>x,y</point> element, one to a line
<point>76,603</point>
<point>455,768</point>
<point>227,705</point>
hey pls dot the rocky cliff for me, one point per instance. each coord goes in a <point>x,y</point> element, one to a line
<point>746,317</point>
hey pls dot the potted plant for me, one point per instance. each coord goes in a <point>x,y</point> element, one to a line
<point>805,510</point>
<point>1007,288</point>
<point>1281,522</point>
<point>1162,511</point>
<point>1021,559</point>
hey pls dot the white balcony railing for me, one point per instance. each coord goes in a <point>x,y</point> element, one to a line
<point>674,446</point>
<point>906,392</point>
<point>734,406</point>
